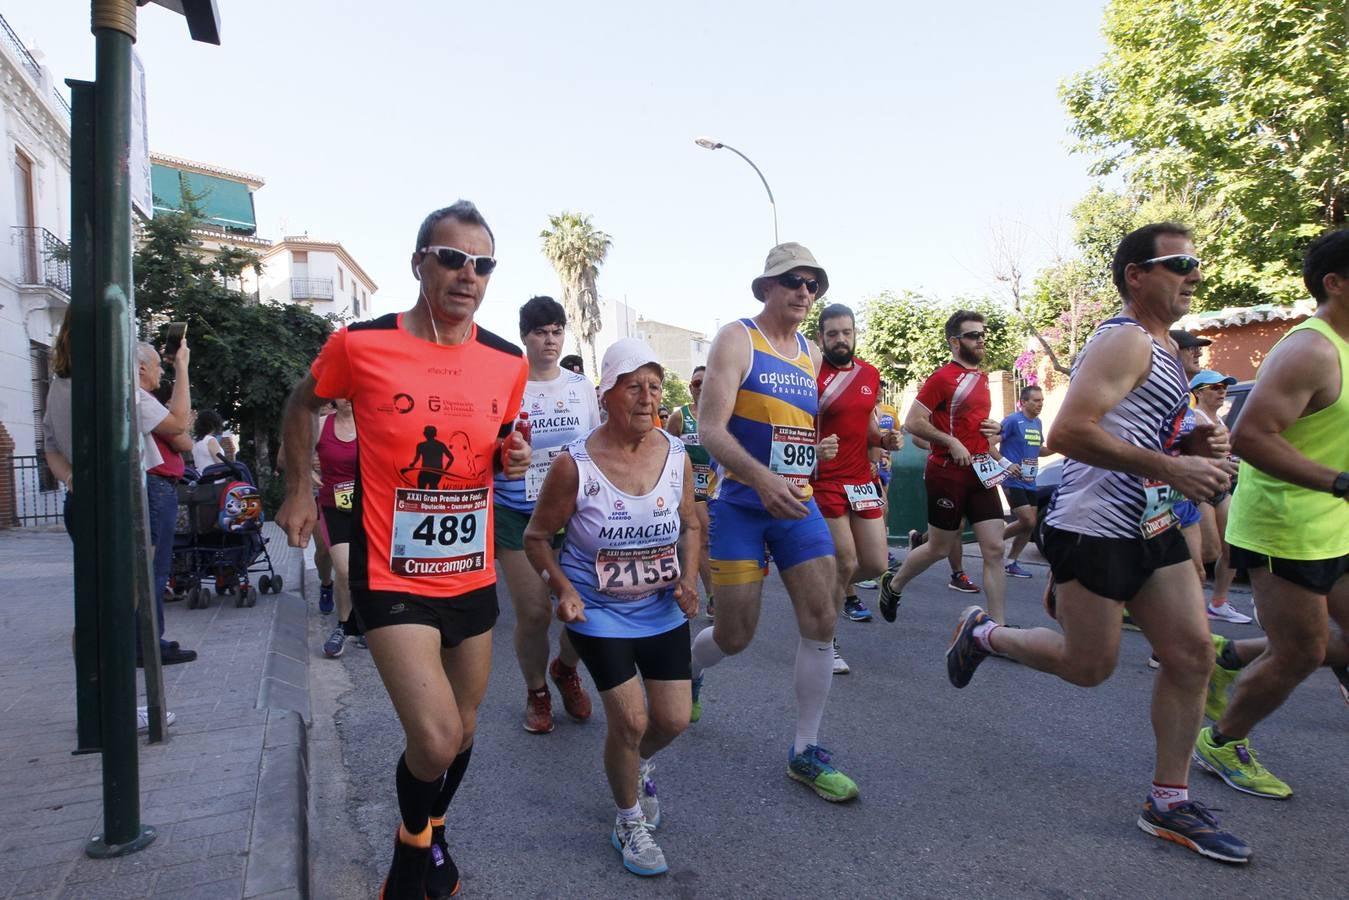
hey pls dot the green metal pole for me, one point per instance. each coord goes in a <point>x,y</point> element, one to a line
<point>117,477</point>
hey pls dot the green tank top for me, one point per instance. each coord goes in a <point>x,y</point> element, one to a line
<point>1283,520</point>
<point>698,454</point>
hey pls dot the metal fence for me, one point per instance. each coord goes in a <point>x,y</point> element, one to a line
<point>25,58</point>
<point>311,289</point>
<point>43,258</point>
<point>38,497</point>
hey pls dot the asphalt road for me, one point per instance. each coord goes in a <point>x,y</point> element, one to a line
<point>1019,785</point>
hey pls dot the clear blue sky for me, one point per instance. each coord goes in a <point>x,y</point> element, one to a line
<point>896,136</point>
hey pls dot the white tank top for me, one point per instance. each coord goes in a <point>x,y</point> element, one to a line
<point>620,551</point>
<point>201,453</point>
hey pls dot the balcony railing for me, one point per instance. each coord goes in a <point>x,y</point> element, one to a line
<point>20,50</point>
<point>43,258</point>
<point>311,289</point>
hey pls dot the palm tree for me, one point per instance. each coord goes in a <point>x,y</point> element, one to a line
<point>577,250</point>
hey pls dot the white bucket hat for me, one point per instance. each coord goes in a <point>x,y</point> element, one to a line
<point>624,356</point>
<point>781,260</point>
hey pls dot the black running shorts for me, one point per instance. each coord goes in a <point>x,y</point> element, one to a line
<point>1316,575</point>
<point>337,525</point>
<point>456,618</point>
<point>612,661</point>
<point>1114,568</point>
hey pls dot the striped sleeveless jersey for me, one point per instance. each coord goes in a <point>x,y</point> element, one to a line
<point>773,417</point>
<point>1104,503</point>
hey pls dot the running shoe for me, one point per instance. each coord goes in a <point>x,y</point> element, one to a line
<point>1228,613</point>
<point>711,607</point>
<point>442,875</point>
<point>965,654</point>
<point>1154,662</point>
<point>336,643</point>
<point>840,664</point>
<point>1219,683</point>
<point>916,539</point>
<point>143,718</point>
<point>814,767</point>
<point>1014,570</point>
<point>362,643</point>
<point>641,854</point>
<point>1343,675</point>
<point>326,598</point>
<point>696,712</point>
<point>1255,614</point>
<point>539,711</point>
<point>856,610</point>
<point>1235,763</point>
<point>869,584</point>
<point>889,599</point>
<point>1129,623</point>
<point>575,700</point>
<point>407,873</point>
<point>961,582</point>
<point>1192,826</point>
<point>646,794</point>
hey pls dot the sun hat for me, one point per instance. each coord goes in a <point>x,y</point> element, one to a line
<point>781,260</point>
<point>1207,377</point>
<point>1187,341</point>
<point>624,356</point>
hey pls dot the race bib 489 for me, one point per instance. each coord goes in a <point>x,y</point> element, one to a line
<point>438,532</point>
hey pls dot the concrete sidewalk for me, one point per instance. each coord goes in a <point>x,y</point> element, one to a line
<point>227,792</point>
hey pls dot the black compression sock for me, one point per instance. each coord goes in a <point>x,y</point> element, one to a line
<point>852,597</point>
<point>415,797</point>
<point>453,776</point>
<point>1219,739</point>
<point>1228,659</point>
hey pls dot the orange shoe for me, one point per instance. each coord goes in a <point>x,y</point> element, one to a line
<point>575,700</point>
<point>539,711</point>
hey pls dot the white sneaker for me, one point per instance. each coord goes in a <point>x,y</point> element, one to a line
<point>869,584</point>
<point>641,854</point>
<point>1228,613</point>
<point>646,794</point>
<point>143,718</point>
<point>840,664</point>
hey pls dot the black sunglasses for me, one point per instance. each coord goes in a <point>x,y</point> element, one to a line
<point>791,281</point>
<point>973,335</point>
<point>453,258</point>
<point>1180,263</point>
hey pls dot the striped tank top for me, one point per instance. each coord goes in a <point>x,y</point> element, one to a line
<point>773,417</point>
<point>1104,503</point>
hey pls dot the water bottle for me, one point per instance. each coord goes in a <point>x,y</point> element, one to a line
<point>522,425</point>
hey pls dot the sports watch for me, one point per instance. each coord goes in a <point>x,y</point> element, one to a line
<point>1341,486</point>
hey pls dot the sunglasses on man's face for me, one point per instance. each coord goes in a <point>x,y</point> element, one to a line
<point>1180,263</point>
<point>454,258</point>
<point>973,335</point>
<point>792,281</point>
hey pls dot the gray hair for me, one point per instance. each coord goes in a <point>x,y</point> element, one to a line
<point>461,211</point>
<point>146,353</point>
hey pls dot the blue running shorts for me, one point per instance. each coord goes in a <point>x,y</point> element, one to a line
<point>739,534</point>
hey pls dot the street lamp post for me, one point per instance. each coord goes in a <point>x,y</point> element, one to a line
<point>708,143</point>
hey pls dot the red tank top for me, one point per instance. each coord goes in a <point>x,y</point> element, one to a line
<point>337,466</point>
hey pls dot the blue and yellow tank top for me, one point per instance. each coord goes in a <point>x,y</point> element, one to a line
<point>773,417</point>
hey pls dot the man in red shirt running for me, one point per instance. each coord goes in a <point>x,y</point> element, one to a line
<point>430,386</point>
<point>845,487</point>
<point>963,470</point>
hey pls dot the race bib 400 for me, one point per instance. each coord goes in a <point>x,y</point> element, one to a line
<point>438,532</point>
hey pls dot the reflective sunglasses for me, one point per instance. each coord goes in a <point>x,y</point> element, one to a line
<point>791,281</point>
<point>453,258</point>
<point>973,335</point>
<point>1180,263</point>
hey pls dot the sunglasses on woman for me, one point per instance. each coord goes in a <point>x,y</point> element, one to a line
<point>453,258</point>
<point>791,281</point>
<point>1180,263</point>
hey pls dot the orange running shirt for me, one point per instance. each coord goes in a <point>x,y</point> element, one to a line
<point>429,422</point>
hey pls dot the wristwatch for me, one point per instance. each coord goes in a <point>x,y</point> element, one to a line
<point>1341,486</point>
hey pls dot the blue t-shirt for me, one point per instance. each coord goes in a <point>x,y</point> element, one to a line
<point>1022,439</point>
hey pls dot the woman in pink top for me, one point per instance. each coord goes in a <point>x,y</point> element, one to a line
<point>336,451</point>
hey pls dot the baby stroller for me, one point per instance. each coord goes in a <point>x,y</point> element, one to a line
<point>219,537</point>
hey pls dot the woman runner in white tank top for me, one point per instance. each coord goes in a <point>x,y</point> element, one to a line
<point>626,582</point>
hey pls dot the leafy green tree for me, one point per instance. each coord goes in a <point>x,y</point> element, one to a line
<point>811,326</point>
<point>1236,109</point>
<point>577,249</point>
<point>245,355</point>
<point>904,335</point>
<point>674,390</point>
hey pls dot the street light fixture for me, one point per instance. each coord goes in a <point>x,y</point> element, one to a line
<point>708,143</point>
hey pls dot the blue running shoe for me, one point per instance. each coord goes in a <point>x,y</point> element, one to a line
<point>856,610</point>
<point>1014,570</point>
<point>965,654</point>
<point>1192,826</point>
<point>326,598</point>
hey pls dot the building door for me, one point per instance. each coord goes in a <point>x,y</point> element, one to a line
<point>26,217</point>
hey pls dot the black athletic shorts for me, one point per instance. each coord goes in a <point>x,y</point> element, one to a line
<point>1316,575</point>
<point>336,525</point>
<point>456,618</point>
<point>612,661</point>
<point>1018,496</point>
<point>1115,568</point>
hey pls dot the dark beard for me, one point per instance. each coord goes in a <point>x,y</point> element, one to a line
<point>968,358</point>
<point>840,357</point>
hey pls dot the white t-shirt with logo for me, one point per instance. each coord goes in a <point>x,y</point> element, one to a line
<point>560,411</point>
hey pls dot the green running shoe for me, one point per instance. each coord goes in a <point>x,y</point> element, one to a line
<point>813,768</point>
<point>696,712</point>
<point>1235,763</point>
<point>1219,683</point>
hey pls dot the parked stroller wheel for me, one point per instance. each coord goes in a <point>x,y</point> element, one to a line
<point>265,584</point>
<point>276,584</point>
